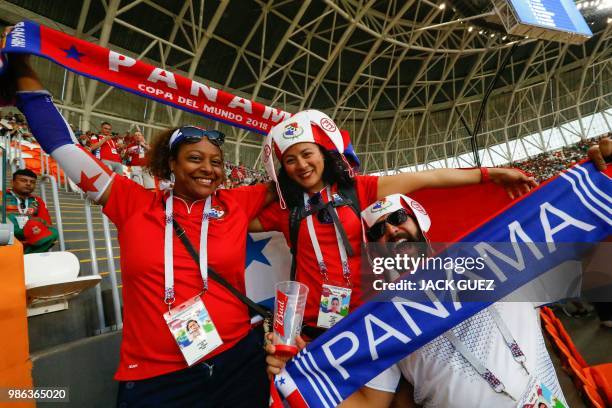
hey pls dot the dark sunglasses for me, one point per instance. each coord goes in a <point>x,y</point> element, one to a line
<point>195,134</point>
<point>376,231</point>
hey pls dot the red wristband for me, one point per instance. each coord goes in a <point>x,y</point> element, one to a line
<point>484,172</point>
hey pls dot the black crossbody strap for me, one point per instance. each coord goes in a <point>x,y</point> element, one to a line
<point>295,221</point>
<point>254,307</point>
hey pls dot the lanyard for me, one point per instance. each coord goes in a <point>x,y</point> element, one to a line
<point>24,210</point>
<point>346,272</point>
<point>481,369</point>
<point>169,251</point>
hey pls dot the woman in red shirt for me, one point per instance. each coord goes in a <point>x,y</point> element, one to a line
<point>314,184</point>
<point>164,287</point>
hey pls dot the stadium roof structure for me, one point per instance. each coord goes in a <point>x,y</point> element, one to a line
<point>405,77</point>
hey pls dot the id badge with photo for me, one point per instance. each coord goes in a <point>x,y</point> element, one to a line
<point>539,396</point>
<point>22,220</point>
<point>141,155</point>
<point>193,329</point>
<point>334,305</point>
<point>113,150</point>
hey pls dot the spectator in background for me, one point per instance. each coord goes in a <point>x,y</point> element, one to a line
<point>136,154</point>
<point>104,147</point>
<point>83,138</point>
<point>238,174</point>
<point>28,213</point>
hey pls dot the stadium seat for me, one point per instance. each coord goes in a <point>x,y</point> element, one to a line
<point>551,329</point>
<point>545,318</point>
<point>602,376</point>
<point>569,343</point>
<point>598,379</point>
<point>593,397</point>
<point>564,353</point>
<point>547,311</point>
<point>52,278</point>
<point>581,377</point>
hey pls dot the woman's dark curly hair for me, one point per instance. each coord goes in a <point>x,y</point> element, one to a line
<point>160,154</point>
<point>335,170</point>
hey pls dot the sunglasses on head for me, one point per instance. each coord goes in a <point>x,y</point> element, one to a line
<point>376,231</point>
<point>195,134</point>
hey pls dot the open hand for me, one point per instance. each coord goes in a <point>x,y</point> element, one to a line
<point>515,182</point>
<point>600,153</point>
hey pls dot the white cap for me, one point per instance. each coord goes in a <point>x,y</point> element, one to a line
<point>299,129</point>
<point>393,203</point>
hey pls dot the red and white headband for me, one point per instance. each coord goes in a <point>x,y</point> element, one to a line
<point>392,203</point>
<point>306,126</point>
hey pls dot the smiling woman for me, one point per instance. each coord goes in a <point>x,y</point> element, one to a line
<point>164,284</point>
<point>196,169</point>
<point>320,201</point>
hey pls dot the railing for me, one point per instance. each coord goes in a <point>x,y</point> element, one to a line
<point>56,205</point>
<point>94,267</point>
<point>111,269</point>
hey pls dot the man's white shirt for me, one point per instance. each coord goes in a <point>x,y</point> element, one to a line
<point>443,378</point>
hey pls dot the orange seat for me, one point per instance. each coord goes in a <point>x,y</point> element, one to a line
<point>602,376</point>
<point>551,329</point>
<point>548,311</point>
<point>546,319</point>
<point>570,344</point>
<point>596,381</point>
<point>580,376</point>
<point>593,397</point>
<point>564,353</point>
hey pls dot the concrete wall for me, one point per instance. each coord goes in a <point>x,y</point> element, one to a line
<point>85,366</point>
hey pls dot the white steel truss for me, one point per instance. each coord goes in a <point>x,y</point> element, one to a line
<point>402,76</point>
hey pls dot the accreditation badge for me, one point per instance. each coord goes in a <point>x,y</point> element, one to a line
<point>193,329</point>
<point>537,395</point>
<point>22,220</point>
<point>334,306</point>
<point>113,150</point>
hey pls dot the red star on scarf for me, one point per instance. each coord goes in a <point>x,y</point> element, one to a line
<point>87,183</point>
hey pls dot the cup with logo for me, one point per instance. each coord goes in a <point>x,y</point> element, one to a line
<point>289,306</point>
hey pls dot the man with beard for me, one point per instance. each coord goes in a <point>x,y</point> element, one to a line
<point>495,358</point>
<point>28,213</point>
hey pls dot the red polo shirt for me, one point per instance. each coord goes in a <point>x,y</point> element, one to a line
<point>273,218</point>
<point>148,348</point>
<point>137,155</point>
<point>108,151</point>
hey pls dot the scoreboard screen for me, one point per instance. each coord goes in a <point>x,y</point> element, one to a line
<point>552,14</point>
<point>554,20</point>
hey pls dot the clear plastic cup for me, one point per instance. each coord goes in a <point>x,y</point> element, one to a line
<point>289,306</point>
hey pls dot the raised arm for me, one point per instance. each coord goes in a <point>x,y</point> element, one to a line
<point>99,143</point>
<point>53,133</point>
<point>515,182</point>
<point>601,153</point>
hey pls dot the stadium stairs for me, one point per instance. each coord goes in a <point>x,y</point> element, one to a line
<point>80,319</point>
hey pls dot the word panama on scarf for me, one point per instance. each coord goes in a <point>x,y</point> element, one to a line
<point>140,78</point>
<point>574,207</point>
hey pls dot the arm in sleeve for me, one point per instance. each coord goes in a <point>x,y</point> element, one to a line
<point>56,138</point>
<point>252,198</point>
<point>367,188</point>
